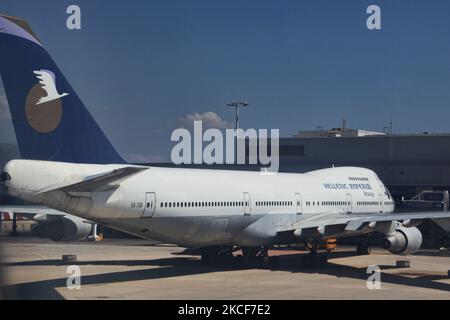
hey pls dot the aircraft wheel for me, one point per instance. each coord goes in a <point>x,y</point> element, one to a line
<point>256,256</point>
<point>363,248</point>
<point>445,242</point>
<point>312,247</point>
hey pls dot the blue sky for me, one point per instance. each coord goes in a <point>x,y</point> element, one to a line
<point>140,66</point>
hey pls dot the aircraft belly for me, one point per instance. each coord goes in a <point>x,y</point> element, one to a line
<point>187,231</point>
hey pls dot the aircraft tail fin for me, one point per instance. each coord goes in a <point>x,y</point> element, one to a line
<point>50,120</point>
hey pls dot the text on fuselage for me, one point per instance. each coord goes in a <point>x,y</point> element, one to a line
<point>347,186</point>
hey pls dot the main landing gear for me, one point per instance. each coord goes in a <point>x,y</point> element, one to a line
<point>313,259</point>
<point>255,255</point>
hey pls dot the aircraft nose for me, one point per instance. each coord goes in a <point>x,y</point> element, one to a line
<point>6,179</point>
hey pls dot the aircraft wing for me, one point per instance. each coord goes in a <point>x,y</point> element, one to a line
<point>33,212</point>
<point>329,223</point>
<point>103,181</point>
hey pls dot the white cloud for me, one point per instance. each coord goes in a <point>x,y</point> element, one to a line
<point>142,158</point>
<point>209,119</point>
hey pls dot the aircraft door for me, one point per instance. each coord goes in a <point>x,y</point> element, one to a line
<point>150,205</point>
<point>380,199</point>
<point>349,203</point>
<point>247,203</point>
<point>298,203</point>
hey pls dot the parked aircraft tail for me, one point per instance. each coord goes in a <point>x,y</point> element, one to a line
<point>50,120</point>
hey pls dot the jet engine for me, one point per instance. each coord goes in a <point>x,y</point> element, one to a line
<point>403,241</point>
<point>63,229</point>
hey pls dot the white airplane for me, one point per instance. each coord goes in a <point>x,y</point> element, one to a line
<point>210,209</point>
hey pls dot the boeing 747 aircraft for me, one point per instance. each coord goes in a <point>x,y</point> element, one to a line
<point>211,209</point>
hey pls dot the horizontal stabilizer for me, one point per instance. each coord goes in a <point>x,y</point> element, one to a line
<point>99,182</point>
<point>32,212</point>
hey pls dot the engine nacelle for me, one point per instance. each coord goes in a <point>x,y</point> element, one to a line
<point>403,241</point>
<point>63,229</point>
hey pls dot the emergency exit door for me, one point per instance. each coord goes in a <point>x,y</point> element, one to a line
<point>380,203</point>
<point>247,203</point>
<point>298,203</point>
<point>150,204</point>
<point>349,203</point>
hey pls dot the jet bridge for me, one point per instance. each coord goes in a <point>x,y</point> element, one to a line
<point>428,200</point>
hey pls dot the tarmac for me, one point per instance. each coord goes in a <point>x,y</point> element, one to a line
<point>137,269</point>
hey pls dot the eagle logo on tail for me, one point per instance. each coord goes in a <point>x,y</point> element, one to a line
<point>48,84</point>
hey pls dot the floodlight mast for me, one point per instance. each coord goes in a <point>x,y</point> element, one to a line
<point>237,105</point>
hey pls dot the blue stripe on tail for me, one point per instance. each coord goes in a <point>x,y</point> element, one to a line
<point>50,121</point>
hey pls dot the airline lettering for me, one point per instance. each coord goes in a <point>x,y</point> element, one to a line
<point>345,186</point>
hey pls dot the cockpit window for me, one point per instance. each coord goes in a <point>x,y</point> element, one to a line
<point>388,194</point>
<point>4,176</point>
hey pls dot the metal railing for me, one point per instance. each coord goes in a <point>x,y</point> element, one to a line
<point>428,199</point>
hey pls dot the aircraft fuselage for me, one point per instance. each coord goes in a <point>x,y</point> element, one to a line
<point>203,207</point>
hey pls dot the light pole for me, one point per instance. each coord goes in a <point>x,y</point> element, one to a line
<point>237,105</point>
